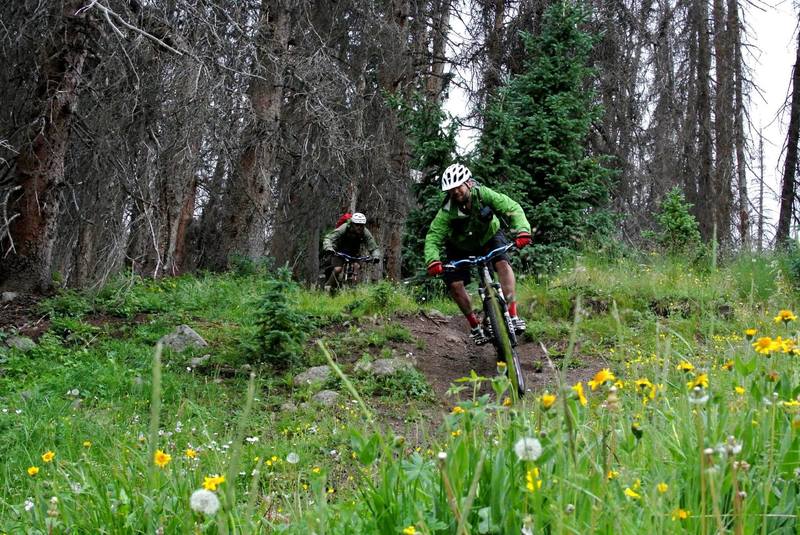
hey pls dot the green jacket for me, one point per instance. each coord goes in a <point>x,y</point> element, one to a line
<point>465,231</point>
<point>346,242</point>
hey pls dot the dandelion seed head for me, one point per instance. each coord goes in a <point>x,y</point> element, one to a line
<point>528,449</point>
<point>204,501</point>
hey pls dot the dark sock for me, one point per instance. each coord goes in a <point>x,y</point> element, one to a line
<point>473,320</point>
<point>512,308</point>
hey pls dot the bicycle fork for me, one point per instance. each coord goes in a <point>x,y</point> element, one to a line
<point>501,299</point>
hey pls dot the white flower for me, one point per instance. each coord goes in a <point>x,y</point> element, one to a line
<point>204,501</point>
<point>252,440</point>
<point>698,396</point>
<point>29,504</point>
<point>292,458</point>
<point>528,449</point>
<point>442,455</point>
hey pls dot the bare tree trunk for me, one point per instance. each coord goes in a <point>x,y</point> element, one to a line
<point>434,83</point>
<point>723,118</point>
<point>706,192</point>
<point>245,222</point>
<point>760,191</point>
<point>734,27</point>
<point>28,254</point>
<point>788,189</point>
<point>494,50</point>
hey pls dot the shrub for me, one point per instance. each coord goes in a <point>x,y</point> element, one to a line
<point>680,232</point>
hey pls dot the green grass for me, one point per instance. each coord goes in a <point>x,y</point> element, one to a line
<point>89,381</point>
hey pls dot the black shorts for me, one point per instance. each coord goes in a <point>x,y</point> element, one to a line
<point>464,274</point>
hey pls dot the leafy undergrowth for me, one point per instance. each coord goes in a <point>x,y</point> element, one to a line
<point>687,429</point>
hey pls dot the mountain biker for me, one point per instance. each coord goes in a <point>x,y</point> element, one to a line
<point>467,224</point>
<point>351,238</point>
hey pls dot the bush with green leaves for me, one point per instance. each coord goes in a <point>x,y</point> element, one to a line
<point>281,328</point>
<point>680,232</point>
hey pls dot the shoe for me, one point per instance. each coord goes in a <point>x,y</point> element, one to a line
<point>519,324</point>
<point>478,336</point>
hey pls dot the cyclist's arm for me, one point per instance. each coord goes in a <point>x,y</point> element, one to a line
<point>437,234</point>
<point>508,208</point>
<point>330,241</point>
<point>372,245</point>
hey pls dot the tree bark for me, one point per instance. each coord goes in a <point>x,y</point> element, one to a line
<point>27,264</point>
<point>788,188</point>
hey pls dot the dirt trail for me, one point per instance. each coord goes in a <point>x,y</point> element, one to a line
<point>449,354</point>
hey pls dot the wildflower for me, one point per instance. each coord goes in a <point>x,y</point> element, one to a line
<point>750,333</point>
<point>212,482</point>
<point>410,530</point>
<point>456,410</point>
<point>87,444</point>
<point>739,390</point>
<point>685,366</point>
<point>636,429</point>
<point>642,384</point>
<point>578,388</point>
<point>507,402</point>
<point>48,456</point>
<point>29,504</point>
<point>701,380</point>
<point>442,456</point>
<point>600,378</point>
<point>680,514</point>
<point>785,316</point>
<point>33,470</point>
<point>528,449</point>
<point>204,501</point>
<point>662,487</point>
<point>764,345</point>
<point>251,440</point>
<point>728,366</point>
<point>190,453</point>
<point>547,400</point>
<point>292,458</point>
<point>316,470</point>
<point>532,481</point>
<point>612,474</point>
<point>161,459</point>
<point>632,494</point>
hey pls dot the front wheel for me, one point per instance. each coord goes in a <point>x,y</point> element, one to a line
<point>502,344</point>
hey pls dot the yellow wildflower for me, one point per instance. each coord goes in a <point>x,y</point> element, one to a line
<point>507,402</point>
<point>785,316</point>
<point>685,366</point>
<point>87,444</point>
<point>48,456</point>
<point>600,378</point>
<point>680,514</point>
<point>211,482</point>
<point>728,366</point>
<point>532,481</point>
<point>548,400</point>
<point>764,345</point>
<point>33,470</point>
<point>701,380</point>
<point>739,390</point>
<point>632,494</point>
<point>642,384</point>
<point>457,410</point>
<point>578,388</point>
<point>190,453</point>
<point>662,487</point>
<point>161,459</point>
<point>456,433</point>
<point>612,474</point>
<point>410,530</point>
<point>316,469</point>
<point>750,333</point>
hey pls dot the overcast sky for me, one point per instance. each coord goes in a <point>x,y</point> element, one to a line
<point>771,32</point>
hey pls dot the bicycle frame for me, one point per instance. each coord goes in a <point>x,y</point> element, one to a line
<point>349,271</point>
<point>494,306</point>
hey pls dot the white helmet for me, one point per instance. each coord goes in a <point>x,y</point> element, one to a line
<point>454,176</point>
<point>359,218</point>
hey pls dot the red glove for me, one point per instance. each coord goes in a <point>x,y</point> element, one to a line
<point>522,239</point>
<point>435,268</point>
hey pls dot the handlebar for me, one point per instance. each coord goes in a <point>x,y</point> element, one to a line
<point>352,258</point>
<point>478,260</point>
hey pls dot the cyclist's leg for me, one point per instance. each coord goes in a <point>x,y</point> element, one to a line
<point>508,282</point>
<point>334,280</point>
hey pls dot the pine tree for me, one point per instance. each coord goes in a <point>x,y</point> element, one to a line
<point>533,147</point>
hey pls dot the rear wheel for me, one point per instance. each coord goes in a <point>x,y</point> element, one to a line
<point>502,343</point>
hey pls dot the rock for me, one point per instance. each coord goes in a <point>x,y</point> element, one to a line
<point>453,339</point>
<point>183,338</point>
<point>386,367</point>
<point>326,397</point>
<point>199,361</point>
<point>7,297</point>
<point>21,343</point>
<point>317,374</point>
<point>288,407</point>
<point>436,315</point>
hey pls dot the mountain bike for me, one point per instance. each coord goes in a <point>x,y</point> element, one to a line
<point>495,314</point>
<point>351,270</point>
